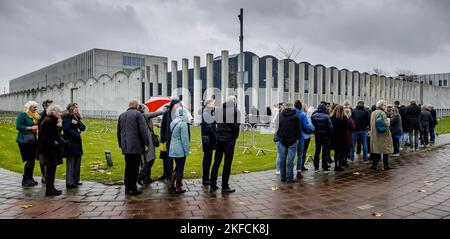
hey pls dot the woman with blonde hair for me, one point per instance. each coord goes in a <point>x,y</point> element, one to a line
<point>340,127</point>
<point>27,125</point>
<point>307,137</point>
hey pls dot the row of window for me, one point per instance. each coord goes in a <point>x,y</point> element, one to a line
<point>133,61</point>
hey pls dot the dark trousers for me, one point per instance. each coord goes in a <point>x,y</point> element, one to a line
<point>432,133</point>
<point>305,150</point>
<point>414,132</point>
<point>322,144</point>
<point>179,166</point>
<point>132,162</point>
<point>358,144</point>
<point>146,171</point>
<point>396,143</point>
<point>167,163</point>
<point>73,164</point>
<point>223,148</point>
<point>28,153</point>
<point>207,159</point>
<point>424,136</point>
<point>50,176</point>
<point>339,156</point>
<point>377,157</point>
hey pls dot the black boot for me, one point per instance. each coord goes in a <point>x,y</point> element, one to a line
<point>172,182</point>
<point>179,188</point>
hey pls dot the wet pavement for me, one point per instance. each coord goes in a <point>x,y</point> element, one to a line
<point>418,188</point>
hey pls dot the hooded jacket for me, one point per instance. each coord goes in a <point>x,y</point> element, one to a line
<point>227,118</point>
<point>412,117</point>
<point>322,122</point>
<point>361,118</point>
<point>179,142</point>
<point>289,129</point>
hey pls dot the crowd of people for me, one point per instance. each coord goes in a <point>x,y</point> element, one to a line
<point>380,130</point>
<point>377,132</point>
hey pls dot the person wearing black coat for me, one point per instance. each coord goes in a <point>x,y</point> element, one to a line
<point>433,123</point>
<point>288,129</point>
<point>338,136</point>
<point>412,114</point>
<point>228,120</point>
<point>361,117</point>
<point>322,130</point>
<point>208,130</point>
<point>426,119</point>
<point>72,127</point>
<point>402,112</point>
<point>49,144</point>
<point>165,138</point>
<point>42,115</point>
<point>396,128</point>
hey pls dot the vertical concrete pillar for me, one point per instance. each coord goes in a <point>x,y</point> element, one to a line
<point>328,75</point>
<point>343,87</point>
<point>320,76</point>
<point>269,81</point>
<point>349,86</point>
<point>311,86</point>
<point>301,82</point>
<point>356,91</point>
<point>164,79</point>
<point>367,88</point>
<point>174,69</point>
<point>281,80</point>
<point>209,75</point>
<point>185,82</point>
<point>291,89</point>
<point>154,79</point>
<point>225,75</point>
<point>335,85</point>
<point>255,82</point>
<point>197,90</point>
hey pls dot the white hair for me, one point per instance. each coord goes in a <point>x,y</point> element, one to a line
<point>380,103</point>
<point>430,106</point>
<point>231,99</point>
<point>53,109</point>
<point>30,104</point>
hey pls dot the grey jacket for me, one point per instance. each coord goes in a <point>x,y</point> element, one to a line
<point>150,154</point>
<point>132,132</point>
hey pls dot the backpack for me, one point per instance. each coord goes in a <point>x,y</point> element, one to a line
<point>380,125</point>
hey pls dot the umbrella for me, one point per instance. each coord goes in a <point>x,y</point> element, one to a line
<point>156,103</point>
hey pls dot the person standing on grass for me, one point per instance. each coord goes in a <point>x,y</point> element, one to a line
<point>134,140</point>
<point>433,123</point>
<point>208,131</point>
<point>426,120</point>
<point>228,120</point>
<point>412,113</point>
<point>165,138</point>
<point>27,127</point>
<point>288,129</point>
<point>305,127</point>
<point>42,115</point>
<point>361,118</point>
<point>308,112</point>
<point>322,130</point>
<point>148,158</point>
<point>276,139</point>
<point>72,127</point>
<point>338,136</point>
<point>49,147</point>
<point>179,148</point>
<point>396,128</point>
<point>380,136</point>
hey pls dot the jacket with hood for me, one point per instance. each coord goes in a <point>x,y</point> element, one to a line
<point>412,117</point>
<point>288,127</point>
<point>179,142</point>
<point>361,118</point>
<point>322,122</point>
<point>227,118</point>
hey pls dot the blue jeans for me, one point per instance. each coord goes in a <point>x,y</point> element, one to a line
<point>432,133</point>
<point>287,173</point>
<point>179,166</point>
<point>300,159</point>
<point>278,156</point>
<point>363,134</point>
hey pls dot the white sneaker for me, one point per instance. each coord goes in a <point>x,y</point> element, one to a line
<point>277,172</point>
<point>395,155</point>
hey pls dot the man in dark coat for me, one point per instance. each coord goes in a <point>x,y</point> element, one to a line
<point>433,123</point>
<point>361,117</point>
<point>228,121</point>
<point>402,111</point>
<point>208,130</point>
<point>42,115</point>
<point>426,119</point>
<point>322,130</point>
<point>165,139</point>
<point>134,139</point>
<point>412,114</point>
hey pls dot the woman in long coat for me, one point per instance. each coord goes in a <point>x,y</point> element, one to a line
<point>338,137</point>
<point>380,142</point>
<point>49,147</point>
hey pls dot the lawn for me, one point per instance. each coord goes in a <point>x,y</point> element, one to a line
<point>101,136</point>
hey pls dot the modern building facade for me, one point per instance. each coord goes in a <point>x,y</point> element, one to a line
<point>441,79</point>
<point>90,64</point>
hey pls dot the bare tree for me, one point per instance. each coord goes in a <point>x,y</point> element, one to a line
<point>407,74</point>
<point>290,53</point>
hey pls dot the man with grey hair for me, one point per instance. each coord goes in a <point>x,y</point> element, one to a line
<point>433,123</point>
<point>381,144</point>
<point>412,114</point>
<point>134,139</point>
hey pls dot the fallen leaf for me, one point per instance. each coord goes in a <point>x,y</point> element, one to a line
<point>193,172</point>
<point>246,171</point>
<point>274,188</point>
<point>365,207</point>
<point>356,173</point>
<point>377,214</point>
<point>241,203</point>
<point>26,206</point>
<point>428,183</point>
<point>108,173</point>
<point>422,191</point>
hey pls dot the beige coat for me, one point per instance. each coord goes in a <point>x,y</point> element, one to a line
<point>380,143</point>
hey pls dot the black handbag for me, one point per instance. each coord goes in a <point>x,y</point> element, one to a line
<point>29,138</point>
<point>64,147</point>
<point>155,139</point>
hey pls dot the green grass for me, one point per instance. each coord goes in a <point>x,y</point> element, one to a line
<point>96,141</point>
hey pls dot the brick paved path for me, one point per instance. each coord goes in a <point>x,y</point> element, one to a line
<point>419,188</point>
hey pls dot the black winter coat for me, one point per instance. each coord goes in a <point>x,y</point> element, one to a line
<point>361,117</point>
<point>339,135</point>
<point>434,115</point>
<point>396,125</point>
<point>208,129</point>
<point>322,122</point>
<point>426,119</point>
<point>48,143</point>
<point>412,114</point>
<point>288,127</point>
<point>72,132</point>
<point>227,118</point>
<point>402,111</point>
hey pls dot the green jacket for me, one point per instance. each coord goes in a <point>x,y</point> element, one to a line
<point>22,122</point>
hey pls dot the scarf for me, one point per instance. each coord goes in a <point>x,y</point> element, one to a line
<point>34,116</point>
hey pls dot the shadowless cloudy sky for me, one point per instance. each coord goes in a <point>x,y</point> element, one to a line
<point>354,34</point>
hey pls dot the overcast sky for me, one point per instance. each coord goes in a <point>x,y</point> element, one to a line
<point>354,34</point>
